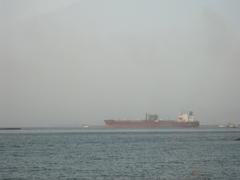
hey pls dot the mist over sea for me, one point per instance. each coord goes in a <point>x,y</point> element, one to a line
<point>83,63</point>
<point>120,154</point>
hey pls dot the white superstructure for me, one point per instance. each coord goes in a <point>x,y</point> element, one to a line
<point>186,117</point>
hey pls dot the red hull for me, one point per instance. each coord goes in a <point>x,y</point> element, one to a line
<point>150,124</point>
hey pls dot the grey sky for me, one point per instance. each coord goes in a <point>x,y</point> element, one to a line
<point>69,62</point>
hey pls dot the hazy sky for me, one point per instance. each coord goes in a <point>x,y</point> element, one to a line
<point>73,62</point>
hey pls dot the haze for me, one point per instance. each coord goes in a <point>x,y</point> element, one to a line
<point>68,63</point>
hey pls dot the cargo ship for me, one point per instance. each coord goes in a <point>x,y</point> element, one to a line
<point>184,120</point>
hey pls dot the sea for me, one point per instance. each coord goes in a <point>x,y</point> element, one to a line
<point>120,154</point>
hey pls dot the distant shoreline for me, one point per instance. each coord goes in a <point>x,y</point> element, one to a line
<point>10,128</point>
<point>204,126</point>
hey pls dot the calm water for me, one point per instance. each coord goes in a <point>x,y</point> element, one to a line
<point>122,154</point>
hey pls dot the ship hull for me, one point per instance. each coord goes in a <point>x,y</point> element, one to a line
<point>150,124</point>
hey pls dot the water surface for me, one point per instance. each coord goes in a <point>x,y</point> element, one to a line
<point>120,154</point>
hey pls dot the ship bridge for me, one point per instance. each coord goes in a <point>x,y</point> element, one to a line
<point>186,117</point>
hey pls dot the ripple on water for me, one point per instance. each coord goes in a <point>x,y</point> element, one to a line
<point>97,155</point>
